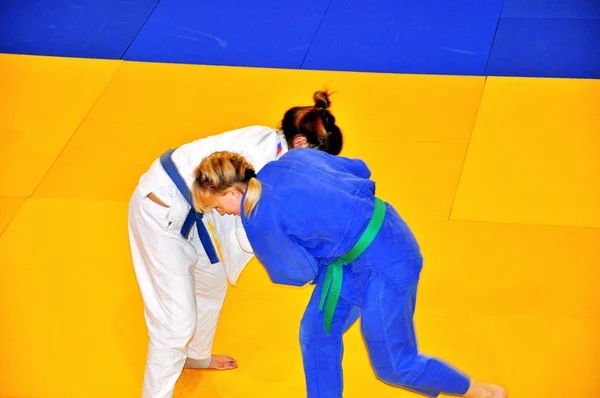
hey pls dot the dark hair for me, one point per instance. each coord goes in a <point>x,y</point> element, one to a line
<point>316,123</point>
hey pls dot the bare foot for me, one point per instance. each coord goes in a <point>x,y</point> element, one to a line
<point>222,362</point>
<point>217,362</point>
<point>485,390</point>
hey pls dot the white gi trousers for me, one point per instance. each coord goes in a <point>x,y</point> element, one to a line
<point>182,292</point>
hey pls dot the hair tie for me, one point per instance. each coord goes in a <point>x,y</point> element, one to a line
<point>248,174</point>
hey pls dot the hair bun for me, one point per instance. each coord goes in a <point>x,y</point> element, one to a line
<point>321,99</point>
<point>248,174</point>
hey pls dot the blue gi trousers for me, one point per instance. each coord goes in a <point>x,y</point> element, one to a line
<point>388,331</point>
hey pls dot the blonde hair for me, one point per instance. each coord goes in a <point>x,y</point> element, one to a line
<point>222,172</point>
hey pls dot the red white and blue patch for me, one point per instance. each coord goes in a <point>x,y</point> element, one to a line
<point>279,149</point>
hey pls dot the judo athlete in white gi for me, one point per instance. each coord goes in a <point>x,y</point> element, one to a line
<point>181,277</point>
<point>314,217</point>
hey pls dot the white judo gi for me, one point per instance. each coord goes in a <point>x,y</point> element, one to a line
<point>182,291</point>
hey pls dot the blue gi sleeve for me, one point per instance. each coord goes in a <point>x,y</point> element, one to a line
<point>285,260</point>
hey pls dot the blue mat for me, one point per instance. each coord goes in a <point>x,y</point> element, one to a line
<point>551,9</point>
<point>406,36</point>
<point>240,33</point>
<point>546,47</point>
<point>77,28</point>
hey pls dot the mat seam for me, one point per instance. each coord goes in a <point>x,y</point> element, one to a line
<point>76,129</point>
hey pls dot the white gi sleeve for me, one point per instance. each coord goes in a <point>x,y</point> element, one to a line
<point>242,238</point>
<point>233,256</point>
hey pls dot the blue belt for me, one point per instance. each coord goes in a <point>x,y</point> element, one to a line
<point>193,216</point>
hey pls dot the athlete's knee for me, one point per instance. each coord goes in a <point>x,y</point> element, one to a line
<point>395,376</point>
<point>406,372</point>
<point>182,330</point>
<point>308,329</point>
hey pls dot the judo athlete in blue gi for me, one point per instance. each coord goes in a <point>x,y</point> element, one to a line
<point>314,217</point>
<point>181,276</point>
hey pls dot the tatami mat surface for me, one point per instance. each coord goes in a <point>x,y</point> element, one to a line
<point>497,177</point>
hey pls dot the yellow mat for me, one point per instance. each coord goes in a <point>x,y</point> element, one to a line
<point>43,101</point>
<point>503,295</point>
<point>532,270</point>
<point>8,208</point>
<point>533,157</point>
<point>68,293</point>
<point>103,162</point>
<point>548,271</point>
<point>367,105</point>
<point>77,294</point>
<point>418,178</point>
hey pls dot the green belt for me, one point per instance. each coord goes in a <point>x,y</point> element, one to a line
<point>335,272</point>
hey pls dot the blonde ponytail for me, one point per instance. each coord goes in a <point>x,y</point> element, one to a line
<point>222,172</point>
<point>252,196</point>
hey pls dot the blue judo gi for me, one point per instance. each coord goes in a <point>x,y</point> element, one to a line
<point>313,209</point>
